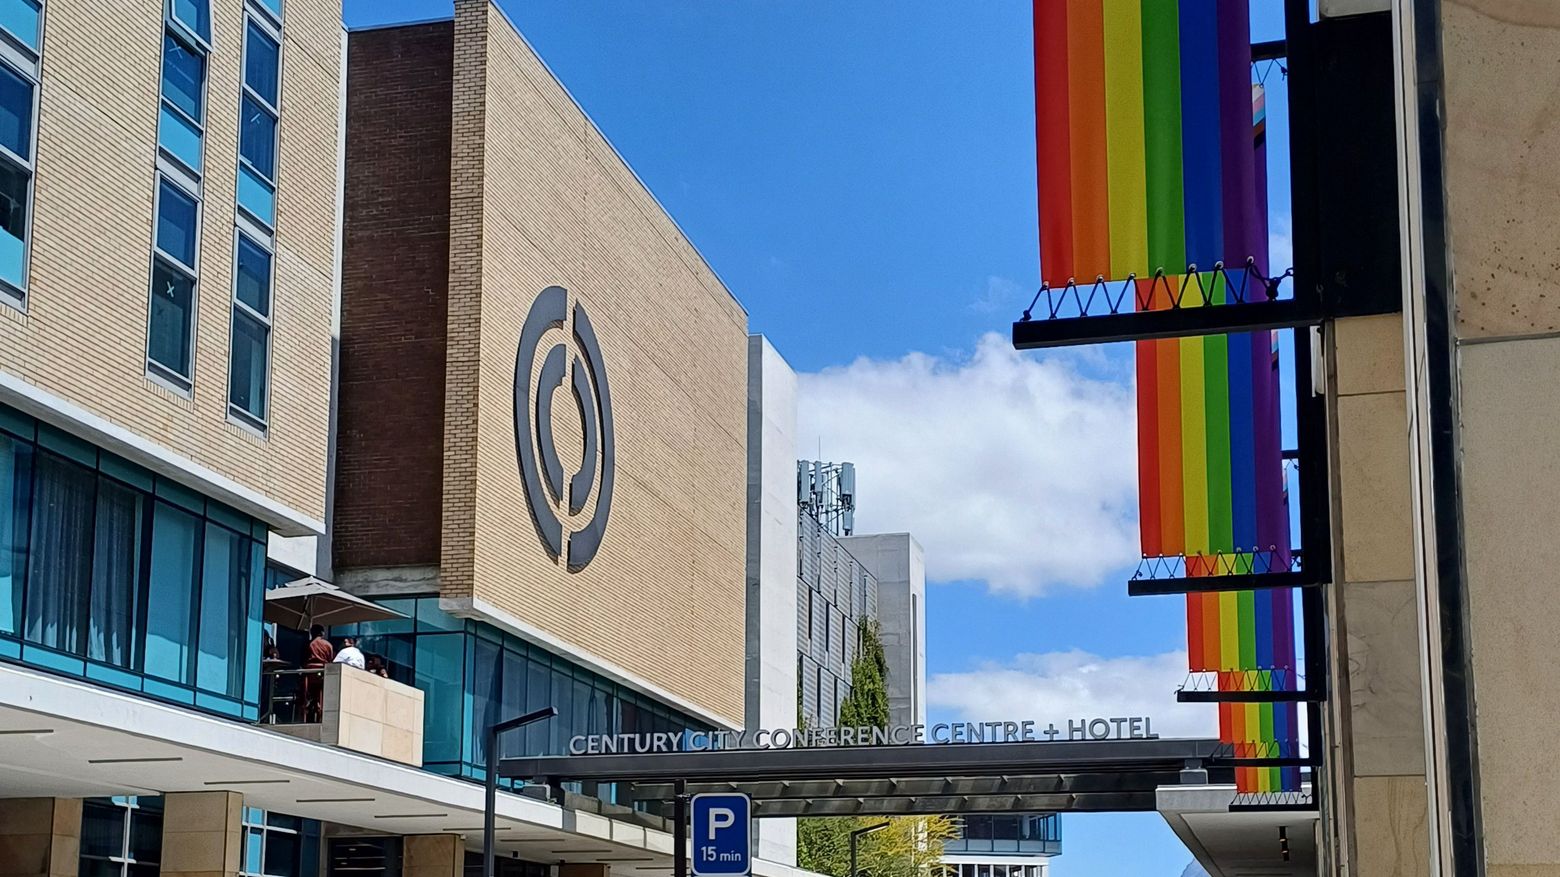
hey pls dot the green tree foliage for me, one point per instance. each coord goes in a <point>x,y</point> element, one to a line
<point>910,846</point>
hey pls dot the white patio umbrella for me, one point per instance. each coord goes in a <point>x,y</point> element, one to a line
<point>309,601</point>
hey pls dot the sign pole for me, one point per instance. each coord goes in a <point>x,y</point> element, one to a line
<point>855,836</point>
<point>490,791</point>
<point>680,838</point>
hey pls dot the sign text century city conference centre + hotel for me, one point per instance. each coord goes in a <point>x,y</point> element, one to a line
<point>1119,728</point>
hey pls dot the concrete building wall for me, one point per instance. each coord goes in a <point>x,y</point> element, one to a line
<point>76,356</point>
<point>1375,719</point>
<point>900,565</point>
<point>1502,188</point>
<point>771,563</point>
<point>535,197</point>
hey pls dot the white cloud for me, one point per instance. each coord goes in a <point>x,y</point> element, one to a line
<point>1017,469</point>
<point>1061,686</point>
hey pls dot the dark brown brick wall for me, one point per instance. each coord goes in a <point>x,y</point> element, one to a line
<point>390,441</point>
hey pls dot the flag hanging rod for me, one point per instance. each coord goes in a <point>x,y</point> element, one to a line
<point>1269,50</point>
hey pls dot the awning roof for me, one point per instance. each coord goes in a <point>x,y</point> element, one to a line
<point>1096,775</point>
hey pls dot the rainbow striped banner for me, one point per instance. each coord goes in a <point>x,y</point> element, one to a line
<point>1151,160</point>
<point>1143,122</point>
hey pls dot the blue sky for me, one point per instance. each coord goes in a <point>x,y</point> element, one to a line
<point>861,175</point>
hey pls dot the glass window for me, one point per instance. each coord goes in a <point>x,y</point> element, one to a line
<point>247,380</point>
<point>224,612</point>
<point>177,223</point>
<point>254,276</point>
<point>15,508</point>
<point>183,78</point>
<point>120,837</point>
<point>173,300</point>
<point>512,744</point>
<point>174,540</point>
<point>486,695</point>
<point>262,64</point>
<point>14,193</point>
<point>440,662</point>
<point>257,137</point>
<point>20,19</point>
<point>193,14</point>
<point>256,196</point>
<point>59,576</point>
<point>116,566</point>
<point>16,113</point>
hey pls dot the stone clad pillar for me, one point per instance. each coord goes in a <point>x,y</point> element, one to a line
<point>40,837</point>
<point>203,834</point>
<point>433,855</point>
<point>584,870</point>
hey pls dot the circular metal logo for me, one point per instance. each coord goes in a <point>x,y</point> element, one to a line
<point>541,469</point>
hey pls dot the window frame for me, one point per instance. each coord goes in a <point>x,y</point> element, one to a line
<point>27,70</point>
<point>237,413</point>
<point>167,162</point>
<point>257,16</point>
<point>128,805</point>
<point>158,371</point>
<point>175,23</point>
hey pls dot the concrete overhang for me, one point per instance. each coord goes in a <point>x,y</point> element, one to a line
<point>1243,844</point>
<point>63,738</point>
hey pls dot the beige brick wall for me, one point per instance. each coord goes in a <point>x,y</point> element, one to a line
<point>663,599</point>
<point>83,335</point>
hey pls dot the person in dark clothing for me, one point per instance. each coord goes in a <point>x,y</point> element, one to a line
<point>320,653</point>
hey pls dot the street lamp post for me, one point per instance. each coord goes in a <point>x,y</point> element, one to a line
<point>490,800</point>
<point>855,836</point>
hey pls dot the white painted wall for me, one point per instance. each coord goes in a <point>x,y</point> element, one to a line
<point>771,563</point>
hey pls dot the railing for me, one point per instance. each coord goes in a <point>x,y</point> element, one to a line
<point>343,706</point>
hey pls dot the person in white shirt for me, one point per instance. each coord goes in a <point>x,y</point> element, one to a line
<point>350,654</point>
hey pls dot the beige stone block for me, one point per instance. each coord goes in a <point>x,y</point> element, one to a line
<point>1373,484</point>
<point>433,855</point>
<point>402,710</point>
<point>26,815</point>
<point>1494,869</point>
<point>364,736</point>
<point>200,812</point>
<point>362,695</point>
<point>24,854</point>
<point>396,745</point>
<point>67,817</point>
<point>1386,706</point>
<point>64,854</point>
<point>195,850</point>
<point>1502,171</point>
<point>1391,830</point>
<point>1509,469</point>
<point>1369,354</point>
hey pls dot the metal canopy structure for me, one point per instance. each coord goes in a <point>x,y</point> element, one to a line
<point>1078,776</point>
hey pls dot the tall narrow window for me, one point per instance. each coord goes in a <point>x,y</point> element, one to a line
<point>175,539</point>
<point>180,162</point>
<point>15,510</point>
<point>181,125</point>
<point>171,336</point>
<point>121,837</point>
<point>116,573</point>
<point>224,612</point>
<point>250,369</point>
<point>17,92</point>
<point>258,115</point>
<point>60,572</point>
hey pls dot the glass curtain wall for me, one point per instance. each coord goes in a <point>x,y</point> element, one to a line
<point>473,675</point>
<point>111,573</point>
<point>278,845</point>
<point>121,837</point>
<point>1023,833</point>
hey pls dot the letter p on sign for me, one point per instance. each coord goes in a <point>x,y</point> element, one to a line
<point>722,835</point>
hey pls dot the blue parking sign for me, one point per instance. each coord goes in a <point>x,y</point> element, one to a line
<point>722,835</point>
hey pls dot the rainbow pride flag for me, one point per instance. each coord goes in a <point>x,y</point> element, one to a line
<point>1144,128</point>
<point>1151,160</point>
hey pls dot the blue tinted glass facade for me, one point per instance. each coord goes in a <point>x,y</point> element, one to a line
<point>1035,834</point>
<point>473,675</point>
<point>113,574</point>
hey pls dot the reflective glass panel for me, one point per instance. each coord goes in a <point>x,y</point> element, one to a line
<point>247,378</point>
<point>60,568</point>
<point>116,565</point>
<point>16,112</point>
<point>254,276</point>
<point>262,61</point>
<point>224,612</point>
<point>174,539</point>
<point>183,78</point>
<point>177,218</point>
<point>173,296</point>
